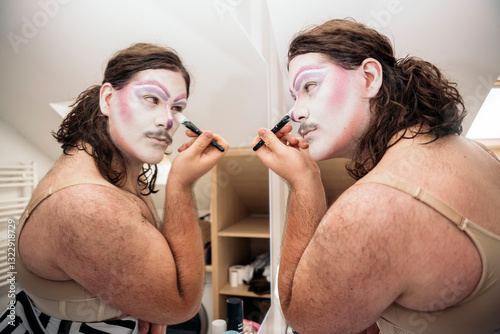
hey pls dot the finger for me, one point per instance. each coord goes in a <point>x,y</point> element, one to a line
<point>272,142</point>
<point>295,141</point>
<point>186,145</point>
<point>291,139</point>
<point>190,133</point>
<point>143,326</point>
<point>303,144</point>
<point>255,141</point>
<point>284,130</point>
<point>219,140</point>
<point>158,329</point>
<point>202,142</point>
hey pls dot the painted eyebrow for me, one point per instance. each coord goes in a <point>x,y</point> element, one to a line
<point>157,86</point>
<point>306,73</point>
<point>180,97</point>
<point>182,103</point>
<point>178,100</point>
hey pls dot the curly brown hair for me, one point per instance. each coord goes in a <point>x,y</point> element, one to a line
<point>414,93</point>
<point>86,127</point>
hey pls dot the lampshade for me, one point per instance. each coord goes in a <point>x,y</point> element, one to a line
<point>61,108</point>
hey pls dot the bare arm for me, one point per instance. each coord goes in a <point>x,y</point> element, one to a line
<point>336,274</point>
<point>306,208</point>
<point>348,274</point>
<point>180,225</point>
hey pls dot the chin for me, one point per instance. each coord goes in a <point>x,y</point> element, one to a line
<point>329,149</point>
<point>154,158</point>
<point>158,160</point>
<point>319,155</point>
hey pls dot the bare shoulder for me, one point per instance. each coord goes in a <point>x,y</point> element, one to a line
<point>354,265</point>
<point>407,243</point>
<point>98,237</point>
<point>454,169</point>
<point>76,218</point>
<point>373,221</point>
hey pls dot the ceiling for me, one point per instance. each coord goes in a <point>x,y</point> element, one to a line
<point>51,50</point>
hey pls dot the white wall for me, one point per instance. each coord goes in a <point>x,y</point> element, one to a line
<point>15,149</point>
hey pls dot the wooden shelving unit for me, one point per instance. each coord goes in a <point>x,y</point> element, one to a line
<point>240,221</point>
<point>240,216</point>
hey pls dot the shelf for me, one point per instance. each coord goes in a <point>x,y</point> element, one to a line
<point>239,211</point>
<point>208,268</point>
<point>250,227</point>
<point>241,290</point>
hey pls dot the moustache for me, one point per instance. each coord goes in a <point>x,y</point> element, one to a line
<point>159,133</point>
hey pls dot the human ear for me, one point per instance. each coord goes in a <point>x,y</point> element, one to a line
<point>372,75</point>
<point>104,97</point>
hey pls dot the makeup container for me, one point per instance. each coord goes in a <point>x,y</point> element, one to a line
<point>219,326</point>
<point>241,271</point>
<point>235,314</point>
<point>233,278</point>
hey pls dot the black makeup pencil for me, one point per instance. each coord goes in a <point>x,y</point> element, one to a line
<point>276,128</point>
<point>188,124</point>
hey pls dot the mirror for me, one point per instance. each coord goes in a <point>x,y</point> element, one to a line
<point>235,51</point>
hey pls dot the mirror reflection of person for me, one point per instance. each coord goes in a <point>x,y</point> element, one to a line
<point>93,255</point>
<point>414,245</point>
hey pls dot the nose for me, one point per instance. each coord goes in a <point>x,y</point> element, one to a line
<point>164,118</point>
<point>300,112</point>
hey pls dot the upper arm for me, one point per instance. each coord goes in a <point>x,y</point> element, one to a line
<point>102,241</point>
<point>352,269</point>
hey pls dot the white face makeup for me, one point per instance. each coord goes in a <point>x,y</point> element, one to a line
<point>141,122</point>
<point>328,105</point>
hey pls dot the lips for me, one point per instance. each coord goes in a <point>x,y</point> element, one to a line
<point>304,131</point>
<point>161,140</point>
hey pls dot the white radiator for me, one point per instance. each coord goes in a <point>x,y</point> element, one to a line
<point>17,183</point>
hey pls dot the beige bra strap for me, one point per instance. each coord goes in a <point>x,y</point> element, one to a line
<point>52,190</point>
<point>418,193</point>
<point>487,149</point>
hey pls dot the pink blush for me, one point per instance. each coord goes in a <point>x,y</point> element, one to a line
<point>340,88</point>
<point>125,111</point>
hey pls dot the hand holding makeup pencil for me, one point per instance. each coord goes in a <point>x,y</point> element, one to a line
<point>197,156</point>
<point>282,153</point>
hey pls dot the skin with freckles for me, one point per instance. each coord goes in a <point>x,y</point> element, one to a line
<point>141,114</point>
<point>328,104</point>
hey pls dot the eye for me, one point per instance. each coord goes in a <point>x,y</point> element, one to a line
<point>178,108</point>
<point>309,86</point>
<point>152,99</point>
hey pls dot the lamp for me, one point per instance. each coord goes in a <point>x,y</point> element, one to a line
<point>485,125</point>
<point>61,108</point>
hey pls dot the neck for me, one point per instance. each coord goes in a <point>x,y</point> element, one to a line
<point>130,171</point>
<point>131,175</point>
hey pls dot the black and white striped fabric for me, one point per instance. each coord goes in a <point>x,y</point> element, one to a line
<point>25,318</point>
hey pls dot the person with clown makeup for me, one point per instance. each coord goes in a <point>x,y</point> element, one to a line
<point>413,246</point>
<point>92,254</point>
